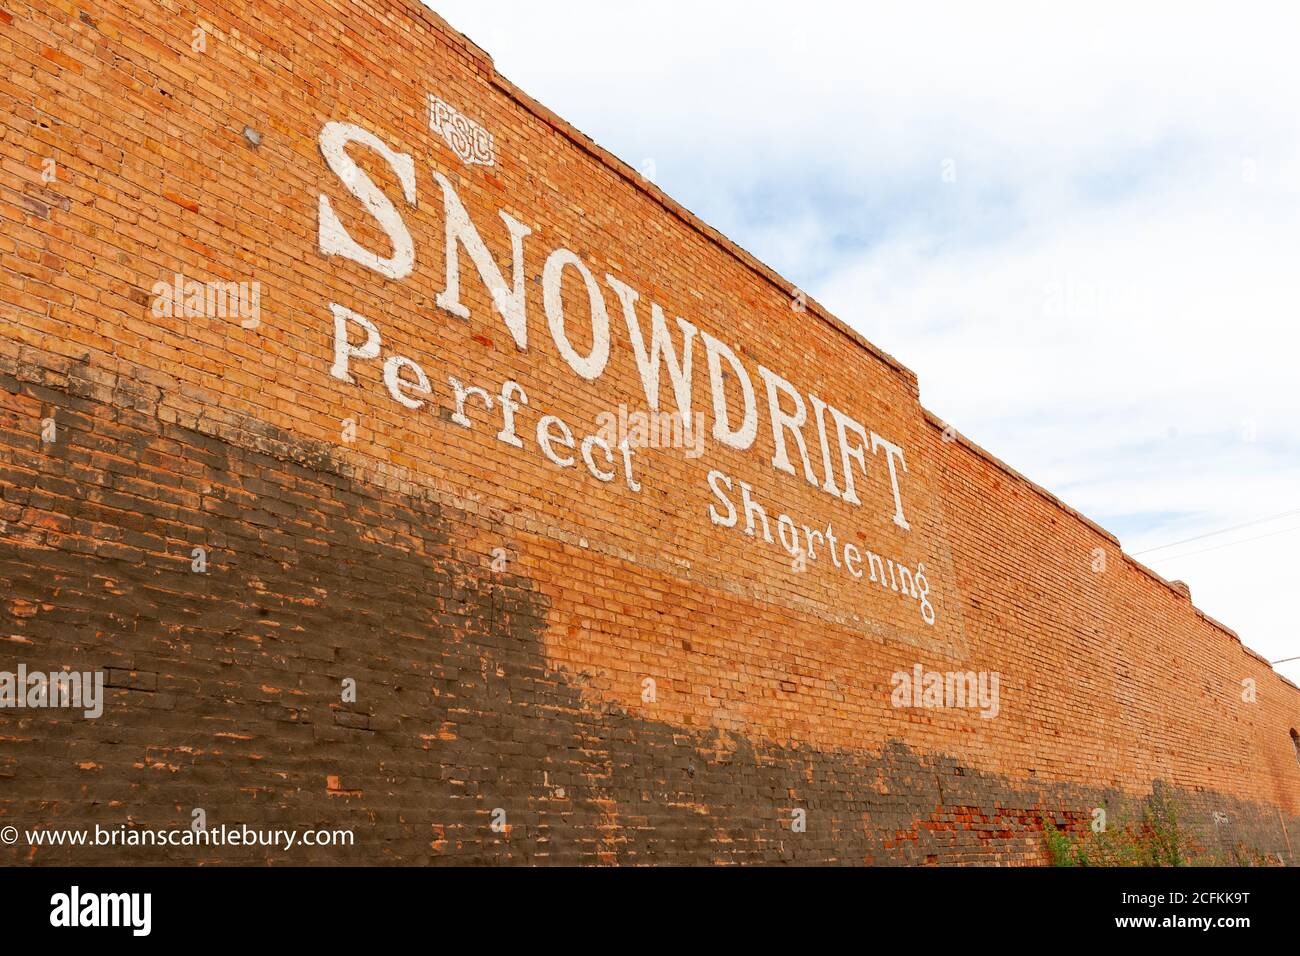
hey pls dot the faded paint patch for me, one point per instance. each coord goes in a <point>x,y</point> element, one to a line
<point>228,691</point>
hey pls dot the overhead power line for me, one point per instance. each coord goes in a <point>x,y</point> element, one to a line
<point>1215,534</point>
<point>1231,544</point>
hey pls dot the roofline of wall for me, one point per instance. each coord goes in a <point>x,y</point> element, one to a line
<point>1177,588</point>
<point>942,426</point>
<point>633,178</point>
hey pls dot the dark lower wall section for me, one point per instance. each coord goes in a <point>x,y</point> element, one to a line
<point>225,688</point>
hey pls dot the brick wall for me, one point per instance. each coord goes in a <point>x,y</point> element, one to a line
<point>598,666</point>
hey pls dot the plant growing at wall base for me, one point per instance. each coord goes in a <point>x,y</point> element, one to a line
<point>1157,839</point>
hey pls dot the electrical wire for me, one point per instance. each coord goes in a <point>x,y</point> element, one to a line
<point>1232,544</point>
<point>1215,534</point>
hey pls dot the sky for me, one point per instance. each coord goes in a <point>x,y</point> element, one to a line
<point>1080,228</point>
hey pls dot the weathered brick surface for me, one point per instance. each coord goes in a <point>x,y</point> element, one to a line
<point>485,684</point>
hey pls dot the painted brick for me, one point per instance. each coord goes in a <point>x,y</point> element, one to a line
<point>500,615</point>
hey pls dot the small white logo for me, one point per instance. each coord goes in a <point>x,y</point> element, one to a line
<point>467,139</point>
<point>57,689</point>
<point>130,910</point>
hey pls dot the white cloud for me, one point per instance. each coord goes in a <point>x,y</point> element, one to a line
<point>1107,297</point>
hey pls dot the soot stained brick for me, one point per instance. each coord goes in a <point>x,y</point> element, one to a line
<point>224,693</point>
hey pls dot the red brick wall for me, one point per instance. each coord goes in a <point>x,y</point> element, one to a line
<point>501,615</point>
